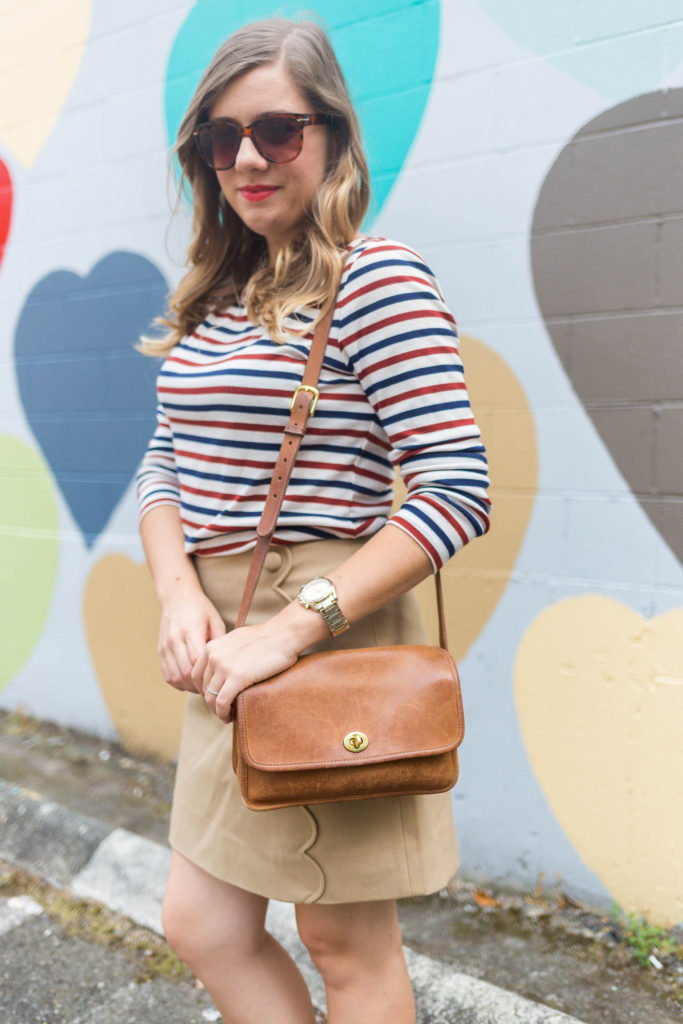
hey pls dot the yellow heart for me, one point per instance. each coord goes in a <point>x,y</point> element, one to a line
<point>598,691</point>
<point>121,616</point>
<point>475,579</point>
<point>41,48</point>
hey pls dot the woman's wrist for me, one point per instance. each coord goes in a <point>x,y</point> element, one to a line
<point>184,582</point>
<point>304,626</point>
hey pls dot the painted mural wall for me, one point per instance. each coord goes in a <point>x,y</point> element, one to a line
<point>533,153</point>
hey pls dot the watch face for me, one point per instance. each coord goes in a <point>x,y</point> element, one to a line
<point>316,590</point>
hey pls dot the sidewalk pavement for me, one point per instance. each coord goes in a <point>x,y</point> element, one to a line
<point>126,873</point>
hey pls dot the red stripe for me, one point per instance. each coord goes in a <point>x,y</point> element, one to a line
<point>292,501</point>
<point>434,428</point>
<point>422,541</point>
<point>279,539</point>
<point>403,357</point>
<point>383,283</point>
<point>371,250</point>
<point>339,530</point>
<point>445,513</point>
<point>397,318</point>
<point>301,463</point>
<point>405,396</point>
<point>363,435</point>
<point>220,389</point>
<point>224,341</point>
<point>219,549</point>
<point>168,500</point>
<point>238,426</point>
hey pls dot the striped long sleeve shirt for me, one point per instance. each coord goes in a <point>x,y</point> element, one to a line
<point>392,394</point>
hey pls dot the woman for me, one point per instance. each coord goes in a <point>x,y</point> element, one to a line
<point>270,146</point>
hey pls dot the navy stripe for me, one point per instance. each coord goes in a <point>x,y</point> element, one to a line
<point>426,410</point>
<point>473,499</point>
<point>227,371</point>
<point>414,376</point>
<point>406,336</point>
<point>433,526</point>
<point>472,453</point>
<point>385,303</point>
<point>385,264</point>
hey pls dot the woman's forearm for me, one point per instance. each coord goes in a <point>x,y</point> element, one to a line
<point>164,543</point>
<point>188,619</point>
<point>386,566</point>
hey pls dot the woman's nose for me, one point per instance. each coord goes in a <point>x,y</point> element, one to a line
<point>248,156</point>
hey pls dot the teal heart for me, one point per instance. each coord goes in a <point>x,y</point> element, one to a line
<point>609,47</point>
<point>387,50</point>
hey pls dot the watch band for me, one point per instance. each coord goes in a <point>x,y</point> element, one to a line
<point>335,620</point>
<point>327,604</point>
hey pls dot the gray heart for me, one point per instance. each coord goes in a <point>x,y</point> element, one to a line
<point>607,258</point>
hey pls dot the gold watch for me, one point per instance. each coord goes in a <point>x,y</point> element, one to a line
<point>320,595</point>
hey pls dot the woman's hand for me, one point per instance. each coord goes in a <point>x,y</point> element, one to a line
<point>245,656</point>
<point>188,622</point>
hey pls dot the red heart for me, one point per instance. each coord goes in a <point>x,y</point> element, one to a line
<point>5,206</point>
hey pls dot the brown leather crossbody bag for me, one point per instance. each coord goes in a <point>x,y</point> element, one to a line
<point>346,724</point>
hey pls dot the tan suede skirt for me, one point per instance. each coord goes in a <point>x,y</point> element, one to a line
<point>327,853</point>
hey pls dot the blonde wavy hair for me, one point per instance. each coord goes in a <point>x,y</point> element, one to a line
<point>228,262</point>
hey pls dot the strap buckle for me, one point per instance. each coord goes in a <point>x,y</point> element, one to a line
<point>313,391</point>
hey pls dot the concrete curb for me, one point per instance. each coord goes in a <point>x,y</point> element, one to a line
<point>127,873</point>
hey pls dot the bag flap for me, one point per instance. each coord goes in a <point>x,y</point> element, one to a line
<point>404,699</point>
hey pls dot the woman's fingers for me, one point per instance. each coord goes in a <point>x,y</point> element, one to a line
<point>198,669</point>
<point>221,703</point>
<point>178,656</point>
<point>219,689</point>
<point>187,624</point>
<point>171,670</point>
<point>231,662</point>
<point>219,696</point>
<point>216,626</point>
<point>183,660</point>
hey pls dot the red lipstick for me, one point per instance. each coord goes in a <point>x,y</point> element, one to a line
<point>257,193</point>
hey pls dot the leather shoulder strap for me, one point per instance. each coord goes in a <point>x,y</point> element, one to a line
<point>303,405</point>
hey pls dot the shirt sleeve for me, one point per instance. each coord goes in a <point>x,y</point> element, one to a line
<point>401,340</point>
<point>157,476</point>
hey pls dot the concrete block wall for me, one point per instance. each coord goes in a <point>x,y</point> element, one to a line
<point>531,153</point>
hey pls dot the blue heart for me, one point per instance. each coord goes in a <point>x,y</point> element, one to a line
<point>88,395</point>
<point>387,50</point>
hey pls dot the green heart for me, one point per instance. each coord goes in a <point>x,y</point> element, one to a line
<point>28,551</point>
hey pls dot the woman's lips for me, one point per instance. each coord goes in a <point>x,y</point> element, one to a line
<point>257,193</point>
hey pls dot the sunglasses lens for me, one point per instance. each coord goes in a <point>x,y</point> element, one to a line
<point>278,139</point>
<point>218,145</point>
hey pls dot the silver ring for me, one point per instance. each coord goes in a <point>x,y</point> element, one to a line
<point>214,692</point>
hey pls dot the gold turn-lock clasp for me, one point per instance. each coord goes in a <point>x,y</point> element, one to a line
<point>356,741</point>
<point>313,391</point>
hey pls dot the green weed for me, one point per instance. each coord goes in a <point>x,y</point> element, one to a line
<point>646,940</point>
